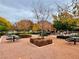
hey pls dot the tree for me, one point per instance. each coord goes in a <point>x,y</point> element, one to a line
<point>35,27</point>
<point>41,13</point>
<point>75,9</point>
<point>58,25</point>
<point>64,20</point>
<point>6,23</point>
<point>45,25</point>
<point>24,25</point>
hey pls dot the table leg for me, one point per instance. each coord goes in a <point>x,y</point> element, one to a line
<point>74,41</point>
<point>13,39</point>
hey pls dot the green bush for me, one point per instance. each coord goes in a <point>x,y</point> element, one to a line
<point>3,28</point>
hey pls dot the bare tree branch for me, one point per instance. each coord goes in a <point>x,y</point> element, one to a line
<point>41,12</point>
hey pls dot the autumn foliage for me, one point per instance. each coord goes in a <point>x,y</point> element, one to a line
<point>23,25</point>
<point>35,27</point>
<point>45,25</point>
<point>64,21</point>
<point>6,23</point>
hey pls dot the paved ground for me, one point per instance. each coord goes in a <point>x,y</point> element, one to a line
<point>23,49</point>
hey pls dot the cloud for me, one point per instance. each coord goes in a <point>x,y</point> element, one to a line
<point>14,10</point>
<point>14,14</point>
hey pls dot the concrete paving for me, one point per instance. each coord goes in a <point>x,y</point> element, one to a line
<point>23,49</point>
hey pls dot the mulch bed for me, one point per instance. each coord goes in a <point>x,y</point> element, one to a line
<point>40,42</point>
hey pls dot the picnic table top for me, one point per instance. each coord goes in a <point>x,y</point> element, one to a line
<point>75,37</point>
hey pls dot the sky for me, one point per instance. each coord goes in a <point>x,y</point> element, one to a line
<point>15,10</point>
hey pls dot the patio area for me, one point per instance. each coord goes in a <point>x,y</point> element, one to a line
<point>23,49</point>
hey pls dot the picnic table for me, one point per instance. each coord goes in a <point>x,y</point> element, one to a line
<point>73,39</point>
<point>12,37</point>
